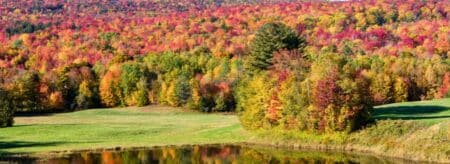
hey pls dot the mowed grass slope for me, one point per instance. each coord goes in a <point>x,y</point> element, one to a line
<point>430,112</point>
<point>119,127</point>
<point>413,130</point>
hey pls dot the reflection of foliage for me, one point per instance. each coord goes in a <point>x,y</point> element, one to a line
<point>215,154</point>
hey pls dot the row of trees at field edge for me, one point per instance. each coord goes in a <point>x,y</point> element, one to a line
<point>280,84</point>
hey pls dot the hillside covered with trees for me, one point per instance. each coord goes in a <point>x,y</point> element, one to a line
<point>306,66</point>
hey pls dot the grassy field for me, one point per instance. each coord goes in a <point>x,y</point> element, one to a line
<point>415,130</point>
<point>430,112</point>
<point>119,127</point>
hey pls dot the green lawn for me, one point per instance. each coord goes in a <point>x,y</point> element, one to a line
<point>430,112</point>
<point>119,127</point>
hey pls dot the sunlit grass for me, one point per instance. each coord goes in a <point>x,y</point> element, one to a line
<point>430,112</point>
<point>119,127</point>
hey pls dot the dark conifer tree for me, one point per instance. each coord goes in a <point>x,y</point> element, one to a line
<point>270,38</point>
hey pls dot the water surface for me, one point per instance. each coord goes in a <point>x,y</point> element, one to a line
<point>209,154</point>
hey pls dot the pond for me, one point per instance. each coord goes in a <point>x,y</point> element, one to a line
<point>220,154</point>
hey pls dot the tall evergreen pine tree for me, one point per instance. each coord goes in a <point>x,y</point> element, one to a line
<point>270,38</point>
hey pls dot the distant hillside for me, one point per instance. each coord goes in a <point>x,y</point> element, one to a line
<point>159,6</point>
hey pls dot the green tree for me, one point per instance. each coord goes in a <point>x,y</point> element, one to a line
<point>134,84</point>
<point>182,90</point>
<point>109,87</point>
<point>400,90</point>
<point>130,76</point>
<point>253,95</point>
<point>87,95</point>
<point>26,92</point>
<point>78,85</point>
<point>6,109</point>
<point>270,38</point>
<point>376,16</point>
<point>142,92</point>
<point>294,105</point>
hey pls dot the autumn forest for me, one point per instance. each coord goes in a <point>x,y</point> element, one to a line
<point>316,67</point>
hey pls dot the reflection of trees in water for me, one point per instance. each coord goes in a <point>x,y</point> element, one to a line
<point>213,154</point>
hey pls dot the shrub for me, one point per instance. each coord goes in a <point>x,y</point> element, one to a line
<point>206,104</point>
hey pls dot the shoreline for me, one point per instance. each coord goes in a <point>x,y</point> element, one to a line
<point>348,149</point>
<point>420,143</point>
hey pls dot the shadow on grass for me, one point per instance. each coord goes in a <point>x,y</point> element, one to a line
<point>20,157</point>
<point>20,144</point>
<point>31,114</point>
<point>410,112</point>
<point>24,157</point>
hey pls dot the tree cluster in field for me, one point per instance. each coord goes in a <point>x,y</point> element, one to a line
<point>326,91</point>
<point>277,65</point>
<point>194,79</point>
